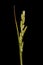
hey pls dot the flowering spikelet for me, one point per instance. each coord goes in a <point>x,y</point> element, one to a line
<point>22,29</point>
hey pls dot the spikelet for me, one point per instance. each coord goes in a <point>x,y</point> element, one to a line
<point>22,28</point>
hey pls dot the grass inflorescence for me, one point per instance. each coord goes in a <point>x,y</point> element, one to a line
<point>21,34</point>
